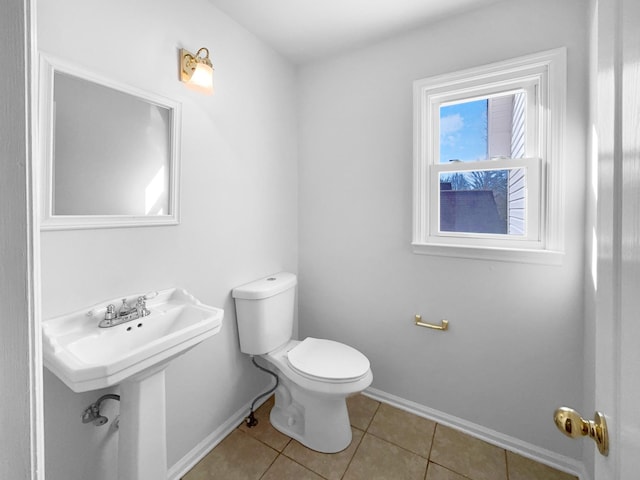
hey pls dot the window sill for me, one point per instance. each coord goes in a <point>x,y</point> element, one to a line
<point>516,255</point>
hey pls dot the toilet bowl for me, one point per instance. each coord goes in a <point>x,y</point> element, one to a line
<point>310,404</point>
<point>315,375</point>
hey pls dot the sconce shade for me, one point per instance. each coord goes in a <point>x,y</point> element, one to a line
<point>202,79</point>
<point>196,71</point>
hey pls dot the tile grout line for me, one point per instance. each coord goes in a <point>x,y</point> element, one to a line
<point>354,454</point>
<point>361,439</point>
<point>433,439</point>
<point>373,416</point>
<point>448,469</point>
<point>386,440</point>
<point>303,466</point>
<point>506,463</point>
<point>397,446</point>
<point>269,446</point>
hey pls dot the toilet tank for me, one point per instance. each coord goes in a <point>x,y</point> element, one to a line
<point>264,311</point>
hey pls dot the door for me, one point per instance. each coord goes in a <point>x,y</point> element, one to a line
<point>617,343</point>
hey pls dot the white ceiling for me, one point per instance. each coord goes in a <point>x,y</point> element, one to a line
<point>303,30</point>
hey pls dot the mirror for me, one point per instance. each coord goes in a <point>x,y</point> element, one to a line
<point>110,152</point>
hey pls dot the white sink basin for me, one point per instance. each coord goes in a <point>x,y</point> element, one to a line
<point>86,357</point>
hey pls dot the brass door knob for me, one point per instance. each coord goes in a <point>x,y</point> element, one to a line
<point>573,425</point>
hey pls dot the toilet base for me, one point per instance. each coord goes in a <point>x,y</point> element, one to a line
<point>312,412</point>
<point>319,422</point>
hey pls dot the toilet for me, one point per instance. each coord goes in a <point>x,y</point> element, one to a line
<point>315,376</point>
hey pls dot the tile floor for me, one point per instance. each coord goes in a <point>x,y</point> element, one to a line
<point>388,444</point>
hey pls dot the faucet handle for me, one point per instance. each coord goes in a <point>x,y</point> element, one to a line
<point>110,314</point>
<point>141,306</point>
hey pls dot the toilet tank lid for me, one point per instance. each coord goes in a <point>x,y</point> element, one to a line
<point>265,287</point>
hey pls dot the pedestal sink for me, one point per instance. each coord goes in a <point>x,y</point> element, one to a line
<point>133,355</point>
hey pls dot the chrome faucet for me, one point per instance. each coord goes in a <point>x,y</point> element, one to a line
<point>126,313</point>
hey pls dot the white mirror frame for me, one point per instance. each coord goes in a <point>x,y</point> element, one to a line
<point>49,65</point>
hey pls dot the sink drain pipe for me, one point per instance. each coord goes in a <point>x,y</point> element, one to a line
<point>251,420</point>
<point>92,412</point>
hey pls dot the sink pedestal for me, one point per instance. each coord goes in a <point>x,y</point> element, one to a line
<point>142,446</point>
<point>134,355</point>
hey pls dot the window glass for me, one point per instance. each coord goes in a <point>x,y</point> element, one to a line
<point>483,201</point>
<point>482,129</point>
<point>463,131</point>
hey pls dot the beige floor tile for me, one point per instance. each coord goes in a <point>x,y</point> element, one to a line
<point>386,452</point>
<point>286,469</point>
<point>403,429</point>
<point>521,468</point>
<point>361,410</point>
<point>263,431</point>
<point>436,472</point>
<point>376,459</point>
<point>468,456</point>
<point>330,465</point>
<point>237,457</point>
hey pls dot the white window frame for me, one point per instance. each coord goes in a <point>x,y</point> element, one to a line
<point>543,77</point>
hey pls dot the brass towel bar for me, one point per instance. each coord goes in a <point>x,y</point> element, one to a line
<point>444,324</point>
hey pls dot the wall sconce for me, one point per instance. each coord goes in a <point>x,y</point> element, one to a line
<point>196,71</point>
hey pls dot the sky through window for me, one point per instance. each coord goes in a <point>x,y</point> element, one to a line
<point>463,131</point>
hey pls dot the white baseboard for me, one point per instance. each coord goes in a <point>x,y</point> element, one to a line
<point>541,455</point>
<point>197,453</point>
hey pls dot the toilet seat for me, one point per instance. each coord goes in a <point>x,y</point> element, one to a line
<point>326,360</point>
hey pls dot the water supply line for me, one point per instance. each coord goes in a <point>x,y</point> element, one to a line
<point>251,420</point>
<point>92,412</point>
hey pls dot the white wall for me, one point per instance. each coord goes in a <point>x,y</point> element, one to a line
<point>238,210</point>
<point>514,349</point>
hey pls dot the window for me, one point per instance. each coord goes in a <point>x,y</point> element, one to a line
<point>487,166</point>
